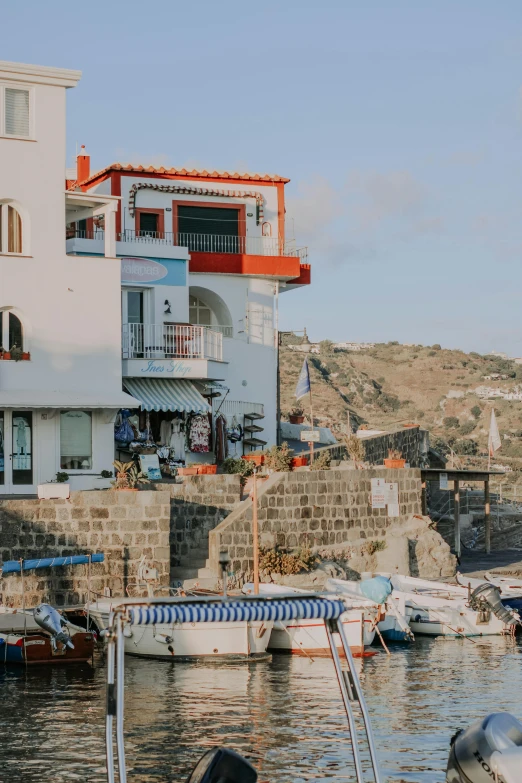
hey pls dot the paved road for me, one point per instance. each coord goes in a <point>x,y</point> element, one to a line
<point>507,561</point>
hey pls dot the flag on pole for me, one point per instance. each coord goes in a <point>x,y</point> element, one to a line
<point>494,442</point>
<point>303,382</point>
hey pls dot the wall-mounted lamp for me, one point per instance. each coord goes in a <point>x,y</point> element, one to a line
<point>168,311</point>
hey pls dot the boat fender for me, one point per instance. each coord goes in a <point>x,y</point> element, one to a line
<point>164,639</point>
<point>127,632</point>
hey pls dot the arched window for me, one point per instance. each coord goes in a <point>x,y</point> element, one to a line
<point>10,229</point>
<point>199,313</point>
<point>206,308</point>
<point>11,331</point>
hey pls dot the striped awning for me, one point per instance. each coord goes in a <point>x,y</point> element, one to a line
<point>233,610</point>
<point>166,394</point>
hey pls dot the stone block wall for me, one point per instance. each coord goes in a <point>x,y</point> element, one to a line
<point>314,509</point>
<point>197,506</point>
<point>412,442</point>
<point>122,525</point>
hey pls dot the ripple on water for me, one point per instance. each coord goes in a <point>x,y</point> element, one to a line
<point>285,716</point>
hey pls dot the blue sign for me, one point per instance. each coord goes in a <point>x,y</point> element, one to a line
<point>168,271</point>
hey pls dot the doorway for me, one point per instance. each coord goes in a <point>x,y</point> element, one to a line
<point>16,452</point>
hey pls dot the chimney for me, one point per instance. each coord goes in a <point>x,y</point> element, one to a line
<point>83,165</point>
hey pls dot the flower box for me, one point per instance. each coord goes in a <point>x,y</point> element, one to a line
<point>394,463</point>
<point>7,356</point>
<point>187,471</point>
<point>296,419</point>
<point>26,356</point>
<point>257,459</point>
<point>299,462</point>
<point>207,470</point>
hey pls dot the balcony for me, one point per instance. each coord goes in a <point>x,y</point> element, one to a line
<point>171,341</point>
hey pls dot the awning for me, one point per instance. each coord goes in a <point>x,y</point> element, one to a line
<point>62,399</point>
<point>162,394</point>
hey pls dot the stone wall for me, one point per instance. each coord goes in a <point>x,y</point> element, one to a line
<point>412,442</point>
<point>322,509</point>
<point>122,525</point>
<point>197,506</point>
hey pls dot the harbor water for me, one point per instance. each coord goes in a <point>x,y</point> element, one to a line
<point>285,716</point>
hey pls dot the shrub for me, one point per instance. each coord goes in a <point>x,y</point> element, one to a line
<point>451,422</point>
<point>326,347</point>
<point>279,458</point>
<point>432,353</point>
<point>280,561</point>
<point>467,428</point>
<point>106,474</point>
<point>62,477</point>
<point>476,411</point>
<point>466,446</point>
<point>322,462</point>
<point>441,446</point>
<point>355,448</point>
<point>375,546</point>
<point>244,467</point>
<point>436,347</point>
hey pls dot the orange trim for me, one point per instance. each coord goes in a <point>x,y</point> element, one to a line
<point>156,211</point>
<point>281,210</point>
<point>172,173</point>
<point>305,275</point>
<point>116,191</point>
<point>286,267</point>
<point>241,208</point>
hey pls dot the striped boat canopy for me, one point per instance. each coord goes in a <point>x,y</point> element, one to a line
<point>167,394</point>
<point>14,566</point>
<point>234,610</point>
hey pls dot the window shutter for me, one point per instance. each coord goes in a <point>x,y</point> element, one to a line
<point>16,112</point>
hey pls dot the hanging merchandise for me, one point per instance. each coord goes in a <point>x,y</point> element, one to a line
<point>198,435</point>
<point>177,440</point>
<point>221,443</point>
<point>235,431</point>
<point>123,432</point>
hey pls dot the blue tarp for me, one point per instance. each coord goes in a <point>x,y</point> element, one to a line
<point>234,610</point>
<point>377,589</point>
<point>14,566</point>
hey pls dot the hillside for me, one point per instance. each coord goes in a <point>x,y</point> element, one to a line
<point>392,383</point>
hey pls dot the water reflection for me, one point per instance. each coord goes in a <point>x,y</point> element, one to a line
<point>285,716</point>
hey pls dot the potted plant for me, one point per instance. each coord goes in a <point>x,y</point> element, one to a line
<point>189,470</point>
<point>278,458</point>
<point>395,459</point>
<point>16,353</point>
<point>299,462</point>
<point>128,476</point>
<point>207,470</point>
<point>257,457</point>
<point>296,415</point>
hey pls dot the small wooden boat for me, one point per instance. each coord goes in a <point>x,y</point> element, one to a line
<point>308,637</point>
<point>37,648</point>
<point>238,640</point>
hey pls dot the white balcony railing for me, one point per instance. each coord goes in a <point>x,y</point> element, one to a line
<point>171,341</point>
<point>218,243</point>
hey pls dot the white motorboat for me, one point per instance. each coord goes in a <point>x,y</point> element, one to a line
<point>308,637</point>
<point>394,627</point>
<point>509,588</point>
<point>17,620</point>
<point>442,609</point>
<point>238,640</point>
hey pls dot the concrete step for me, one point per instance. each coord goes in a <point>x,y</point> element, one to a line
<point>201,552</point>
<point>207,583</point>
<point>203,573</point>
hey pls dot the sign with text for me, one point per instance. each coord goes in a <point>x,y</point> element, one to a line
<point>378,493</point>
<point>385,494</point>
<point>170,271</point>
<point>311,436</point>
<point>443,481</point>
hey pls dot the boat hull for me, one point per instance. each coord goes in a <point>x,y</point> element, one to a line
<point>193,641</point>
<point>308,637</point>
<point>36,648</point>
<point>452,622</point>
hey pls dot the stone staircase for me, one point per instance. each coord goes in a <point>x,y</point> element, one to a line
<point>193,569</point>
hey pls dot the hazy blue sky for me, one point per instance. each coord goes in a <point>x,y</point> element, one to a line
<point>399,123</point>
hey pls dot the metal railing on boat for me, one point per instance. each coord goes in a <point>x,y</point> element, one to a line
<point>150,611</point>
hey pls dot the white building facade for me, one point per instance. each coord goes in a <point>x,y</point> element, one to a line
<point>60,368</point>
<point>204,261</point>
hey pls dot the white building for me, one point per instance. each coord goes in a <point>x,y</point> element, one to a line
<point>59,314</point>
<point>204,260</point>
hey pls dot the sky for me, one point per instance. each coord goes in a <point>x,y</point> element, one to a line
<point>399,123</point>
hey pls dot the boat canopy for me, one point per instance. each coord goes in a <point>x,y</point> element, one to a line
<point>233,611</point>
<point>15,566</point>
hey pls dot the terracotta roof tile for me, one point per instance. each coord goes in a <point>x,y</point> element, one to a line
<point>184,173</point>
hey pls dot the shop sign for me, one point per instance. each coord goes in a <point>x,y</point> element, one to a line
<point>141,270</point>
<point>150,466</point>
<point>443,481</point>
<point>311,436</point>
<point>176,368</point>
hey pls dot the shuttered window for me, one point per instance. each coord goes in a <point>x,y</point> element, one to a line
<point>16,112</point>
<point>208,220</point>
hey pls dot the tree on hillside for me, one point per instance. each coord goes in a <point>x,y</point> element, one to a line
<point>326,347</point>
<point>451,422</point>
<point>476,411</point>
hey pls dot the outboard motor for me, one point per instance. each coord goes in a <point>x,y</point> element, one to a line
<point>486,597</point>
<point>52,622</point>
<point>488,751</point>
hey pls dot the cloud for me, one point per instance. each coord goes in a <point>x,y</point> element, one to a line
<point>378,197</point>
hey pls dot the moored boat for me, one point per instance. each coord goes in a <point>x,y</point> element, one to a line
<point>38,648</point>
<point>308,637</point>
<point>237,640</point>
